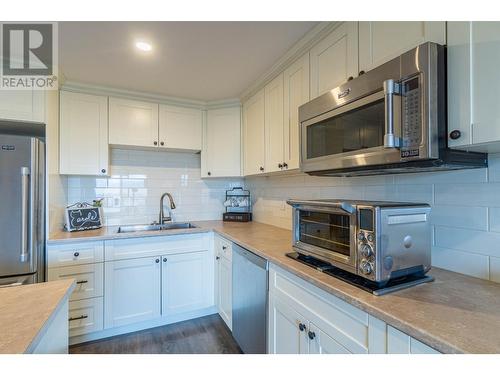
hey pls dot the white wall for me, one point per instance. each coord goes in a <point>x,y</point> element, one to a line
<point>465,208</point>
<point>138,179</point>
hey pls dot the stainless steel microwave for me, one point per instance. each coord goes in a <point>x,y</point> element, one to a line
<point>378,241</point>
<point>391,119</point>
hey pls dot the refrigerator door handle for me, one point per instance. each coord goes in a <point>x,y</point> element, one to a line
<point>25,213</point>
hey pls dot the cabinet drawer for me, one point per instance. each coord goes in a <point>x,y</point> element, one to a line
<point>89,279</point>
<point>341,321</point>
<point>155,246</point>
<point>224,248</point>
<point>85,316</point>
<point>75,253</point>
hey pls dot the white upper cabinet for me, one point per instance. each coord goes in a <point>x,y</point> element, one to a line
<point>133,123</point>
<point>254,134</point>
<point>273,93</point>
<point>221,154</point>
<point>473,85</point>
<point>22,105</point>
<point>334,59</point>
<point>180,128</point>
<point>296,93</point>
<point>83,134</point>
<point>382,41</point>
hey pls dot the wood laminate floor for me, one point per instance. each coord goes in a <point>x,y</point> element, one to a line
<point>206,335</point>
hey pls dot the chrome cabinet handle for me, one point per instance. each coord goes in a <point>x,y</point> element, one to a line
<point>311,335</point>
<point>157,260</point>
<point>217,257</point>
<point>302,327</point>
<point>224,247</point>
<point>76,254</point>
<point>391,88</point>
<point>78,318</point>
<point>82,282</point>
<point>25,206</point>
<point>164,260</point>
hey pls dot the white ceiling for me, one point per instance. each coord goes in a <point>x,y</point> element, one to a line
<point>196,60</point>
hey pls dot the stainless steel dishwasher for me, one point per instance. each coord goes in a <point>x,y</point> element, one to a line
<point>250,288</point>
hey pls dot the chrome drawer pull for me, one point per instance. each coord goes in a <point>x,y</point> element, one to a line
<point>78,318</point>
<point>82,282</point>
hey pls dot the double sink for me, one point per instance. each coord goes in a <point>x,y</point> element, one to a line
<point>155,227</point>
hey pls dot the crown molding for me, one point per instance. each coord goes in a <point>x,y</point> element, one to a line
<point>86,88</point>
<point>296,51</point>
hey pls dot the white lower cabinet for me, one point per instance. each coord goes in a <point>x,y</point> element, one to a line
<point>287,329</point>
<point>305,319</point>
<point>85,316</point>
<point>223,280</point>
<point>185,283</point>
<point>132,291</point>
<point>321,343</point>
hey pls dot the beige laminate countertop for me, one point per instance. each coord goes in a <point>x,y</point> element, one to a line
<point>27,310</point>
<point>453,314</point>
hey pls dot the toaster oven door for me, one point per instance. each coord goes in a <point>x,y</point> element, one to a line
<point>326,234</point>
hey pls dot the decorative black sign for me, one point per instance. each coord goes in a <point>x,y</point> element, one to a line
<point>83,218</point>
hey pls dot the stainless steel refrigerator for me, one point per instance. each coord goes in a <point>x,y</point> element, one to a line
<point>22,207</point>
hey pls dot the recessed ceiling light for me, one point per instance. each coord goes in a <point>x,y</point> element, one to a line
<point>143,46</point>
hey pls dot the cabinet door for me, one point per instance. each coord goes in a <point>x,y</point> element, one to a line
<point>382,41</point>
<point>132,291</point>
<point>186,283</point>
<point>459,82</point>
<point>400,343</point>
<point>22,105</point>
<point>287,329</point>
<point>225,290</point>
<point>485,60</point>
<point>180,128</point>
<point>296,93</point>
<point>221,155</point>
<point>321,343</point>
<point>334,59</point>
<point>133,123</point>
<point>273,109</point>
<point>254,134</point>
<point>83,132</point>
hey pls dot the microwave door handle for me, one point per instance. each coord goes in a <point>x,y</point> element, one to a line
<point>391,88</point>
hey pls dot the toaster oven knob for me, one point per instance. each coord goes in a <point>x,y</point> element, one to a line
<point>366,267</point>
<point>366,251</point>
<point>361,236</point>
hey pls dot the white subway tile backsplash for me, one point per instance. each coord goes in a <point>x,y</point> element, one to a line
<point>483,194</point>
<point>470,264</point>
<point>460,217</point>
<point>138,179</point>
<point>473,241</point>
<point>495,269</point>
<point>494,219</point>
<point>465,208</point>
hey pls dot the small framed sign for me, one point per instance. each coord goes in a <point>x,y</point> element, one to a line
<point>83,216</point>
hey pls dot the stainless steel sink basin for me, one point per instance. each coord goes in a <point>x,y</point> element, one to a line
<point>154,227</point>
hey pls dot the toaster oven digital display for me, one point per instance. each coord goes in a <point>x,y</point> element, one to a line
<point>366,219</point>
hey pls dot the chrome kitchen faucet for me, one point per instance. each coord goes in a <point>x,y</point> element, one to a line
<point>162,218</point>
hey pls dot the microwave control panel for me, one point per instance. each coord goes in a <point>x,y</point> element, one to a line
<point>411,131</point>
